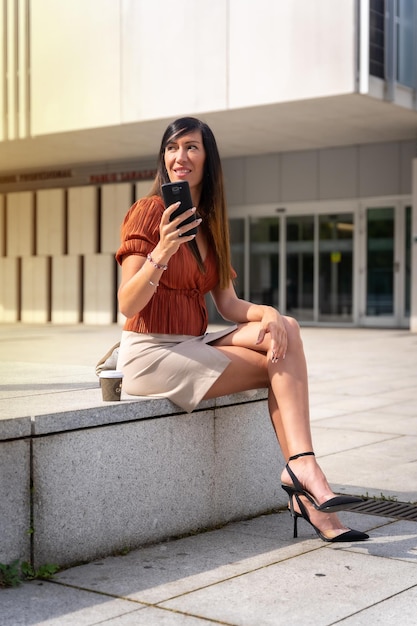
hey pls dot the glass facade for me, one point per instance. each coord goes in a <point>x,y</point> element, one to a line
<point>336,267</point>
<point>392,41</point>
<point>311,266</point>
<point>264,260</point>
<point>380,261</point>
<point>237,244</point>
<point>377,38</point>
<point>405,35</point>
<point>300,267</point>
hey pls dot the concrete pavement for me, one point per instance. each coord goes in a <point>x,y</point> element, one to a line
<point>363,386</point>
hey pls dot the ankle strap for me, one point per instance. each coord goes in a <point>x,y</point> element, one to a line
<point>297,456</point>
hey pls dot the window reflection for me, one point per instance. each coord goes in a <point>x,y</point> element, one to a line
<point>264,260</point>
<point>380,262</point>
<point>336,267</point>
<point>300,267</point>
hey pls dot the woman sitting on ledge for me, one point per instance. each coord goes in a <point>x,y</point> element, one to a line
<point>165,350</point>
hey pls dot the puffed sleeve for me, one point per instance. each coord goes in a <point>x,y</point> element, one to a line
<point>139,232</point>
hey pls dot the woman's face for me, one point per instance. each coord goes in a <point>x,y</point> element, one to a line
<point>184,159</point>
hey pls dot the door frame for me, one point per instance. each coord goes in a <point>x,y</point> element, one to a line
<point>397,319</point>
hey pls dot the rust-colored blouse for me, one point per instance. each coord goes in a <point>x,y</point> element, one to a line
<point>178,305</point>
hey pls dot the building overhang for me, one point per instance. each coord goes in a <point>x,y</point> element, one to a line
<point>340,120</point>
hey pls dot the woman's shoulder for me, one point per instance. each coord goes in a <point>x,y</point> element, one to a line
<point>140,228</point>
<point>147,204</point>
<point>147,210</point>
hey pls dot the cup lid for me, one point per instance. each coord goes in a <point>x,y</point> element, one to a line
<point>111,374</point>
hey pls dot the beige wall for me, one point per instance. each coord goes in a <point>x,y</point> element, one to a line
<point>282,51</point>
<point>119,62</point>
<point>14,69</point>
<point>75,64</point>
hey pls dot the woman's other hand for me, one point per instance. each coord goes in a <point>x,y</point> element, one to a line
<point>273,324</point>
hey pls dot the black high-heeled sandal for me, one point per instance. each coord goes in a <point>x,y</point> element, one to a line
<point>338,503</point>
<point>348,535</point>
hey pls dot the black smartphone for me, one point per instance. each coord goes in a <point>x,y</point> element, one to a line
<point>179,192</point>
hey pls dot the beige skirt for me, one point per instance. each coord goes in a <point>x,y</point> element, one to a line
<point>179,367</point>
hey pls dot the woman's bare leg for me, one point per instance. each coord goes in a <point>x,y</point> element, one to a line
<point>328,523</point>
<point>252,368</point>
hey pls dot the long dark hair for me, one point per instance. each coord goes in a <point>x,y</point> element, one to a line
<point>212,207</point>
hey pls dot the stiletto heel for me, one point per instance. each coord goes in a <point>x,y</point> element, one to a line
<point>349,535</point>
<point>291,493</point>
<point>338,503</point>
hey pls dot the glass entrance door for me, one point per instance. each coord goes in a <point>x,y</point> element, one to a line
<point>335,298</point>
<point>380,262</point>
<point>301,264</point>
<point>319,260</point>
<point>350,267</point>
<point>300,260</point>
<point>264,260</point>
<point>386,289</point>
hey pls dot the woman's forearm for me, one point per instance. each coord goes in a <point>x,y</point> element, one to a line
<point>140,280</point>
<point>240,311</point>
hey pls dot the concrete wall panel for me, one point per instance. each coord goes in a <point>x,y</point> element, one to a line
<point>9,290</point>
<point>50,222</point>
<point>66,290</point>
<point>115,201</point>
<point>262,179</point>
<point>20,232</point>
<point>82,220</point>
<point>99,289</point>
<point>300,176</point>
<point>379,167</point>
<point>408,152</point>
<point>36,278</point>
<point>338,173</point>
<point>234,178</point>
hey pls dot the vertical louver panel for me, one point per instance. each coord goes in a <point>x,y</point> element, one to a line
<point>14,68</point>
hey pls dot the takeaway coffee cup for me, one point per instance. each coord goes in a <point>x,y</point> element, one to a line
<point>111,385</point>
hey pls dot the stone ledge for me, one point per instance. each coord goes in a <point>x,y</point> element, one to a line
<point>79,409</point>
<point>95,481</point>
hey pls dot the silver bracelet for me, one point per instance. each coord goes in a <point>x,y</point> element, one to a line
<point>156,285</point>
<point>157,266</point>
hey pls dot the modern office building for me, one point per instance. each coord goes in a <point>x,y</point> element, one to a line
<point>313,103</point>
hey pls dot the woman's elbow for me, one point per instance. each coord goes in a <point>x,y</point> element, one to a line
<point>125,307</point>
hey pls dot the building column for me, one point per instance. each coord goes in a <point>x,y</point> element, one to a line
<point>413,312</point>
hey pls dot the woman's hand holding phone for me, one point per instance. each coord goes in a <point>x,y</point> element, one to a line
<point>180,192</point>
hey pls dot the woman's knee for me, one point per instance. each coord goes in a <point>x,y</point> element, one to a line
<point>293,330</point>
<point>292,324</point>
